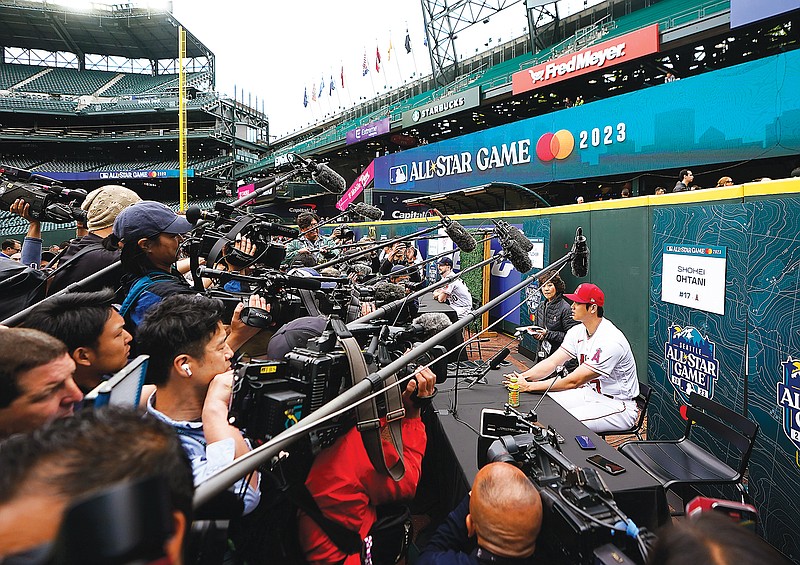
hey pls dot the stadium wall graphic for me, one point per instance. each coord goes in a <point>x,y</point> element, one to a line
<point>748,111</point>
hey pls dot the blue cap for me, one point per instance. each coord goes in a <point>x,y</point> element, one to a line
<point>398,268</point>
<point>446,261</point>
<point>146,219</point>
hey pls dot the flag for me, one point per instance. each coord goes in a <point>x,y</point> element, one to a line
<point>408,43</point>
<point>425,39</point>
<point>333,87</point>
<point>389,53</point>
<point>305,97</point>
<point>377,60</point>
<point>321,87</point>
<point>313,93</point>
<point>365,66</point>
<point>342,76</point>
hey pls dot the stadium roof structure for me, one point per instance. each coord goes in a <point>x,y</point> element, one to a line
<point>491,196</point>
<point>121,30</point>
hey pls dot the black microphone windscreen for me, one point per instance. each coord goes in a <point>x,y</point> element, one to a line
<point>305,283</point>
<point>433,322</point>
<point>193,214</point>
<point>329,179</point>
<point>361,269</point>
<point>520,259</point>
<point>367,211</point>
<point>386,292</point>
<point>580,258</point>
<point>524,243</point>
<point>498,358</point>
<point>461,237</point>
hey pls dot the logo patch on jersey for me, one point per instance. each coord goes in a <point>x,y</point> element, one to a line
<point>692,365</point>
<point>596,356</point>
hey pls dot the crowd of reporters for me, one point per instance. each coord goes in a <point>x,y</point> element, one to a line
<point>57,452</point>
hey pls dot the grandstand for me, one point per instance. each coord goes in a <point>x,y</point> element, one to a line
<point>87,96</point>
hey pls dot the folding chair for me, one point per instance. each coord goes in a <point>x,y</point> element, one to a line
<point>682,462</point>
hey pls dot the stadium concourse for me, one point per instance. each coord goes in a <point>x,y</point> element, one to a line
<point>656,126</point>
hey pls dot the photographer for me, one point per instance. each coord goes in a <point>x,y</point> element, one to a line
<point>398,256</point>
<point>348,489</point>
<point>190,364</point>
<point>310,242</point>
<point>498,522</point>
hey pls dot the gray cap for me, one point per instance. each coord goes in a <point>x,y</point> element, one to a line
<point>146,219</point>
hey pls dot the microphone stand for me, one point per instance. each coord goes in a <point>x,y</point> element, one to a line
<point>252,460</point>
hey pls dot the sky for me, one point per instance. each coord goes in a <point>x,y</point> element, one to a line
<point>279,51</point>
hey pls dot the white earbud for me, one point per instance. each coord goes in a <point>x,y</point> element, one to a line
<point>186,369</point>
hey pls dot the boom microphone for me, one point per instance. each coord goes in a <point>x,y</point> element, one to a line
<point>386,292</point>
<point>432,323</point>
<point>580,255</point>
<point>455,231</point>
<point>505,230</point>
<point>367,212</point>
<point>323,175</point>
<point>519,259</point>
<point>498,358</point>
<point>306,283</point>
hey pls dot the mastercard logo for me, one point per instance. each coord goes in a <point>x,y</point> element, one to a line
<point>558,145</point>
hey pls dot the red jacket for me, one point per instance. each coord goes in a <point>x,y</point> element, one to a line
<point>347,488</point>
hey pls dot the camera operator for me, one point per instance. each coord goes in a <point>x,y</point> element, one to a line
<point>92,330</point>
<point>44,473</point>
<point>311,241</point>
<point>498,522</point>
<point>347,488</point>
<point>36,384</point>
<point>97,249</point>
<point>190,364</point>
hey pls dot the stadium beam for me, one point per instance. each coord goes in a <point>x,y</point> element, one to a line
<point>65,36</point>
<point>444,22</point>
<point>542,13</point>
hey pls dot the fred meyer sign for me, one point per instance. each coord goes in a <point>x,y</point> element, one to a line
<point>601,56</point>
<point>443,107</point>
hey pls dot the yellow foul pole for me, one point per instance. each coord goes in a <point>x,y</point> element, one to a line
<point>182,118</point>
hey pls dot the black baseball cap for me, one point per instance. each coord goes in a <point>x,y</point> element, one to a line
<point>446,261</point>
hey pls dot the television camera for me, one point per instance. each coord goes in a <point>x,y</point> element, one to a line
<point>49,200</point>
<point>271,396</point>
<point>580,514</point>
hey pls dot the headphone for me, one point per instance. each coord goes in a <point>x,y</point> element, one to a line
<point>186,369</point>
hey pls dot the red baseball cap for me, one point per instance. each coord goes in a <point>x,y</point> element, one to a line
<point>587,293</point>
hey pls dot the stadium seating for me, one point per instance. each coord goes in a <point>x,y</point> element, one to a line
<point>35,104</point>
<point>11,75</point>
<point>133,84</point>
<point>68,81</point>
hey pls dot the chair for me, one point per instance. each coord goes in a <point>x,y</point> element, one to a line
<point>474,328</point>
<point>682,462</point>
<point>642,402</point>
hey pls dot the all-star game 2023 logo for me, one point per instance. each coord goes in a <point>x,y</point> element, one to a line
<point>691,362</point>
<point>789,399</point>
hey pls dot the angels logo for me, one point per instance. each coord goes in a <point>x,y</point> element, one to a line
<point>789,399</point>
<point>691,362</point>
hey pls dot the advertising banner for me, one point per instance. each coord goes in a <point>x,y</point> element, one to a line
<point>244,190</point>
<point>601,56</point>
<point>651,129</point>
<point>745,12</point>
<point>111,175</point>
<point>370,130</point>
<point>357,187</point>
<point>443,107</point>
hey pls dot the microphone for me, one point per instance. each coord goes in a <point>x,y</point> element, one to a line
<point>455,231</point>
<point>560,371</point>
<point>303,283</point>
<point>194,214</point>
<point>505,230</point>
<point>432,323</point>
<point>580,255</point>
<point>386,292</point>
<point>367,212</point>
<point>498,358</point>
<point>323,175</point>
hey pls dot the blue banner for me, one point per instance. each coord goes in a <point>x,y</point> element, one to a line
<point>749,111</point>
<point>114,175</point>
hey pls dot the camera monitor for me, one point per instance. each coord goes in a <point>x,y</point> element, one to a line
<point>124,389</point>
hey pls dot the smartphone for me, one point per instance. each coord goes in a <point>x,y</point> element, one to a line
<point>606,465</point>
<point>530,329</point>
<point>585,442</point>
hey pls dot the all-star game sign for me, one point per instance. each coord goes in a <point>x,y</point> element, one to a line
<point>692,365</point>
<point>694,276</point>
<point>789,399</point>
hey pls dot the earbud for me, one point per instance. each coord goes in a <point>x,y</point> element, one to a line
<point>186,369</point>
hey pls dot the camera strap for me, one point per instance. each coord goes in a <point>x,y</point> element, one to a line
<point>369,423</point>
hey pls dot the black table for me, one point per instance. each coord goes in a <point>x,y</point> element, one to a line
<point>450,461</point>
<point>428,304</point>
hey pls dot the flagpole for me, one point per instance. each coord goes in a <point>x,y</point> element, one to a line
<point>374,92</point>
<point>413,58</point>
<point>397,62</point>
